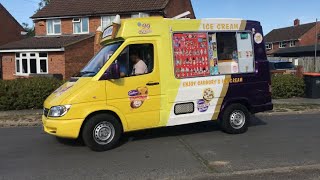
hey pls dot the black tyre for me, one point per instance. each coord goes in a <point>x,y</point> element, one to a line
<point>235,119</point>
<point>101,132</point>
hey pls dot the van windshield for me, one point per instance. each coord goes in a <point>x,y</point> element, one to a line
<point>97,62</point>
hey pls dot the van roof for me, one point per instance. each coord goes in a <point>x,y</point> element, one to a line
<point>156,26</point>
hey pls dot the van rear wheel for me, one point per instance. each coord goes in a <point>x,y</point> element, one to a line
<point>101,132</point>
<point>235,119</point>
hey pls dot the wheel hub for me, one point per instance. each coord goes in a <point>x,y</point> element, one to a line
<point>237,119</point>
<point>103,133</point>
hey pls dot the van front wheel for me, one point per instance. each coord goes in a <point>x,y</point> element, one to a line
<point>235,119</point>
<point>101,132</point>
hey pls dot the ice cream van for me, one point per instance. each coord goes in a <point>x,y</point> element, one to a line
<point>157,72</point>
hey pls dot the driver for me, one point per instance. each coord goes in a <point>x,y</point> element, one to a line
<point>139,66</point>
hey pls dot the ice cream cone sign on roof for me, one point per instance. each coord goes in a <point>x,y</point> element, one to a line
<point>98,35</point>
<point>116,26</point>
<point>117,20</point>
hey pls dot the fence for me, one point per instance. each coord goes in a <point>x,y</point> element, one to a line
<point>307,62</point>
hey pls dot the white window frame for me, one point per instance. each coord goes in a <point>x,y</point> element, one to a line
<point>81,27</point>
<point>283,44</point>
<point>28,57</point>
<point>269,46</point>
<point>292,43</point>
<point>111,19</point>
<point>53,23</point>
<point>140,15</point>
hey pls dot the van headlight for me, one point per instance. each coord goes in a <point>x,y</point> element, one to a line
<point>59,111</point>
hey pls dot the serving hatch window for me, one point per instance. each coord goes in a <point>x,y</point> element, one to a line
<point>205,54</point>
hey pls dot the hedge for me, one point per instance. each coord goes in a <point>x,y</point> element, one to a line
<point>287,86</point>
<point>30,93</point>
<point>26,93</point>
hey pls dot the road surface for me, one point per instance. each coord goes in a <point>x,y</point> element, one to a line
<point>276,146</point>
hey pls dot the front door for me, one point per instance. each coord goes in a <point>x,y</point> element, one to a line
<point>137,93</point>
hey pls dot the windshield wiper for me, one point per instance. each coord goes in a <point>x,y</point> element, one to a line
<point>87,72</point>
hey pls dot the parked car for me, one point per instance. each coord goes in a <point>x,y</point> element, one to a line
<point>282,67</point>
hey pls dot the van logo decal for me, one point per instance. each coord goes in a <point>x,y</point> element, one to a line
<point>133,93</point>
<point>137,97</point>
<point>258,38</point>
<point>208,95</point>
<point>145,28</point>
<point>62,89</point>
<point>202,105</point>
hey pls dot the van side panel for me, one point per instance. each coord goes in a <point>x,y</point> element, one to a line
<point>254,91</point>
<point>204,95</point>
<point>204,98</point>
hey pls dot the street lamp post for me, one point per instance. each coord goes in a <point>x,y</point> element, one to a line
<point>316,47</point>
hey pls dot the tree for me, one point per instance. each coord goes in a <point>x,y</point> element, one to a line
<point>42,4</point>
<point>29,30</point>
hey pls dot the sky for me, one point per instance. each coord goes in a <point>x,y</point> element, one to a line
<point>271,13</point>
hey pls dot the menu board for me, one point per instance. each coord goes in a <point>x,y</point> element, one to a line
<point>245,46</point>
<point>213,54</point>
<point>191,55</point>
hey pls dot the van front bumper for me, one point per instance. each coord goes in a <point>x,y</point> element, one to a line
<point>62,128</point>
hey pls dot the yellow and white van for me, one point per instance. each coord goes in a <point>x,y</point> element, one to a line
<point>155,72</point>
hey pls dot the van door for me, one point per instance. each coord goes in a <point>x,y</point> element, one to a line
<point>137,93</point>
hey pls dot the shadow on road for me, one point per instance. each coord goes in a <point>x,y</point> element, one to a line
<point>70,142</point>
<point>255,121</point>
<point>189,129</point>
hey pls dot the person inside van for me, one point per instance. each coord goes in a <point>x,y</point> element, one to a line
<point>139,66</point>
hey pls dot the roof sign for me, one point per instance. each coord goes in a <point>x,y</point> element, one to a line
<point>107,32</point>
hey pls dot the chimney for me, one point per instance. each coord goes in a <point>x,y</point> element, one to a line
<point>296,22</point>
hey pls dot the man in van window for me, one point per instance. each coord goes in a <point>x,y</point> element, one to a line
<point>139,66</point>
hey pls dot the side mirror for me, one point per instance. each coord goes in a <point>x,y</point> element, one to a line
<point>113,72</point>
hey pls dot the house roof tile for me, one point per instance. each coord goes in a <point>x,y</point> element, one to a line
<point>45,42</point>
<point>288,33</point>
<point>299,49</point>
<point>2,8</point>
<point>59,8</point>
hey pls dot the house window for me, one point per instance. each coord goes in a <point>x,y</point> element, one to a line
<point>80,25</point>
<point>31,63</point>
<point>54,27</point>
<point>269,46</point>
<point>139,15</point>
<point>106,21</point>
<point>282,44</point>
<point>292,43</point>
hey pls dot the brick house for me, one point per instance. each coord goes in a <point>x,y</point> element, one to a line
<point>65,29</point>
<point>296,40</point>
<point>10,29</point>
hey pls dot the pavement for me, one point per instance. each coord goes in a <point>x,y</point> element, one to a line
<point>292,101</point>
<point>275,147</point>
<point>295,101</point>
<point>21,112</point>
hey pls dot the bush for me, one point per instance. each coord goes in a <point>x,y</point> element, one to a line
<point>26,93</point>
<point>287,86</point>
